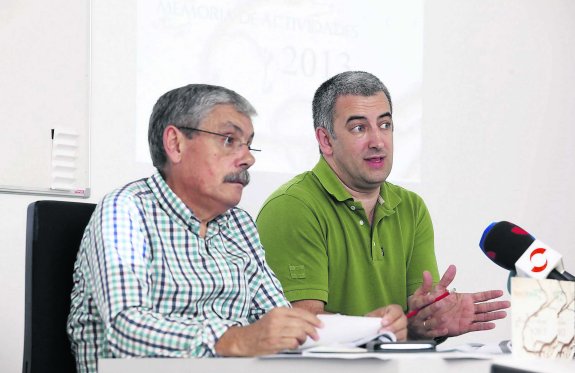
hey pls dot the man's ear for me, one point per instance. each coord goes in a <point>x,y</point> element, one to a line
<point>173,143</point>
<point>324,140</point>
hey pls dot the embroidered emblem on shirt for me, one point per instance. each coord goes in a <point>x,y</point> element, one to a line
<point>297,271</point>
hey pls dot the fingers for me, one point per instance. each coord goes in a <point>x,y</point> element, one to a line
<point>489,311</point>
<point>422,296</point>
<point>296,332</point>
<point>295,314</point>
<point>425,287</point>
<point>303,314</point>
<point>298,323</point>
<point>491,316</point>
<point>426,293</point>
<point>395,321</point>
<point>283,328</point>
<point>458,313</point>
<point>419,302</point>
<point>484,296</point>
<point>391,313</point>
<point>477,327</point>
<point>427,283</point>
<point>434,327</point>
<point>392,319</point>
<point>441,307</point>
<point>447,278</point>
<point>416,328</point>
<point>492,306</point>
<point>426,328</point>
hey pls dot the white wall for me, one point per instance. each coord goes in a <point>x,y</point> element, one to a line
<point>498,143</point>
<point>498,136</point>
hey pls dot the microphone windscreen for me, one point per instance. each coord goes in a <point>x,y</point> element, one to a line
<point>504,243</point>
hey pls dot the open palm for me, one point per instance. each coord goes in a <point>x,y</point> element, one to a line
<point>457,314</point>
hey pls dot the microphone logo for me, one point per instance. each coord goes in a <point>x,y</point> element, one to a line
<point>535,253</point>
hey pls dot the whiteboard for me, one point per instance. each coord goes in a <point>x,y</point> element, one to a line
<point>44,97</point>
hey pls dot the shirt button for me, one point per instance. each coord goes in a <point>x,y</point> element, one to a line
<point>361,222</point>
<point>352,207</point>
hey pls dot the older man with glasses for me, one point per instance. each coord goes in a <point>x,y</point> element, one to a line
<point>169,266</point>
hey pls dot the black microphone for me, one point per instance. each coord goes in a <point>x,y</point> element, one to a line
<point>511,247</point>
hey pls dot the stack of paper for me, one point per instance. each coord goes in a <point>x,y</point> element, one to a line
<point>345,333</point>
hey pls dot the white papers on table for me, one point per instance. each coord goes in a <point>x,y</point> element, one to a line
<point>341,331</point>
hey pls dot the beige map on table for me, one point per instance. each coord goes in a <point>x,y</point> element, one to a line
<point>543,318</point>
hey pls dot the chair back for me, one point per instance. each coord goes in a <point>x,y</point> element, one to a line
<point>53,234</point>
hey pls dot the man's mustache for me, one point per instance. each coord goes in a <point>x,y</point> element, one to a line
<point>242,177</point>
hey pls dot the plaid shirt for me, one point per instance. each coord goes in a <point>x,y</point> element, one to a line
<point>146,283</point>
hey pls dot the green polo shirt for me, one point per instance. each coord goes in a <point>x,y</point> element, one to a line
<point>320,244</point>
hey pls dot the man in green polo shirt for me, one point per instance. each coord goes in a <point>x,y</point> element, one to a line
<point>342,239</point>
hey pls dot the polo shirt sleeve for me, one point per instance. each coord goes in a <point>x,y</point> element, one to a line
<point>295,247</point>
<point>422,256</point>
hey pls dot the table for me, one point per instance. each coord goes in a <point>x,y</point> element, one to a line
<point>419,363</point>
<point>301,365</point>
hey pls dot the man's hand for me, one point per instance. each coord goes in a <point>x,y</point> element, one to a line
<point>457,314</point>
<point>392,319</point>
<point>280,329</point>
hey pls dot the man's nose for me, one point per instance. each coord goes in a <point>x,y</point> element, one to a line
<point>376,139</point>
<point>247,158</point>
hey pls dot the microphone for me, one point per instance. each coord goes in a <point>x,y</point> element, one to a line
<point>511,247</point>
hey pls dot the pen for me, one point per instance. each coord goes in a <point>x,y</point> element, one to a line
<point>414,312</point>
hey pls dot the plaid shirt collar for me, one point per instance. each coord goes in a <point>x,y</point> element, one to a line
<point>178,211</point>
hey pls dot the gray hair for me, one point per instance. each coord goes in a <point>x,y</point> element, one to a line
<point>188,106</point>
<point>356,83</point>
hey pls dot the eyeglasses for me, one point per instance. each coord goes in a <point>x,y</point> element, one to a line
<point>230,142</point>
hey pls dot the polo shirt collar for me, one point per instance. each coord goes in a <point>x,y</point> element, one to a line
<point>330,182</point>
<point>176,208</point>
<point>388,199</point>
